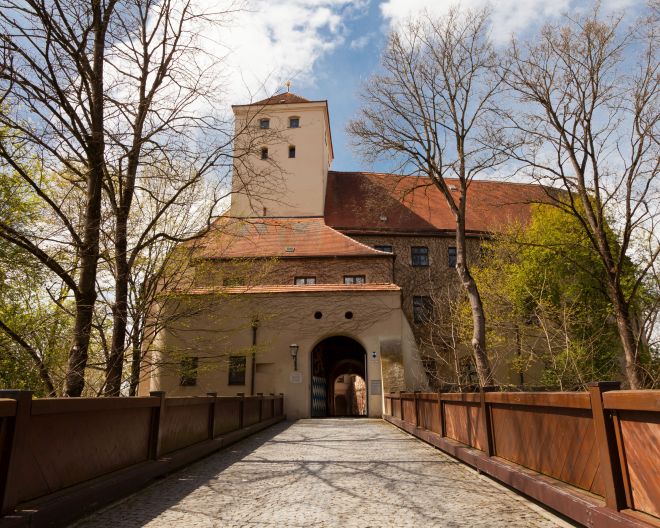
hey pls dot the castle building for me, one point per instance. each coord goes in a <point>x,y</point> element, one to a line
<point>316,284</point>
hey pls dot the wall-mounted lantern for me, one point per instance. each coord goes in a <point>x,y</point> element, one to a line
<point>293,349</point>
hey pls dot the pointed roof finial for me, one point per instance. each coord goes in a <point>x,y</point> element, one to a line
<point>288,86</point>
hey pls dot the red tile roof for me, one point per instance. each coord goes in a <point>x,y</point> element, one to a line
<point>283,98</point>
<point>360,202</point>
<point>290,288</point>
<point>277,237</point>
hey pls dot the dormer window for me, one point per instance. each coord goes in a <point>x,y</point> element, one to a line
<point>294,122</point>
<point>264,123</point>
<point>264,153</point>
<point>292,151</point>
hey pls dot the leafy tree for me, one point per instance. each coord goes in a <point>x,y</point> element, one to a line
<point>545,284</point>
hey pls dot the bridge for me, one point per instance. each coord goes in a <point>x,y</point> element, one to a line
<point>235,461</point>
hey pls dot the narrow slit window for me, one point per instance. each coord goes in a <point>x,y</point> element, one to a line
<point>292,151</point>
<point>451,257</point>
<point>264,153</point>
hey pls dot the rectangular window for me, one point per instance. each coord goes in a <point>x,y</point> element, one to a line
<point>419,256</point>
<point>264,153</point>
<point>189,372</point>
<point>355,279</point>
<point>385,248</point>
<point>292,151</point>
<point>236,370</point>
<point>422,308</point>
<point>451,257</point>
<point>264,123</point>
<point>301,281</point>
<point>294,122</point>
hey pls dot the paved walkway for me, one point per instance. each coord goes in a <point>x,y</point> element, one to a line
<point>332,472</point>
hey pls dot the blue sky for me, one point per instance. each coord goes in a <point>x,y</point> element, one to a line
<point>329,48</point>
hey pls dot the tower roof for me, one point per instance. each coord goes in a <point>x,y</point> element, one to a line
<point>283,98</point>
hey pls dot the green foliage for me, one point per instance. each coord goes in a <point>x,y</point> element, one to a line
<point>543,284</point>
<point>26,308</point>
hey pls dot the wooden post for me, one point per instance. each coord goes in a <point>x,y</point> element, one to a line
<point>156,429</point>
<point>416,396</point>
<point>16,439</point>
<point>441,406</point>
<point>486,421</point>
<point>610,469</point>
<point>272,405</point>
<point>401,407</point>
<point>213,395</point>
<point>282,404</point>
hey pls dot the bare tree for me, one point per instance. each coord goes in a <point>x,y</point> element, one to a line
<point>589,125</point>
<point>430,113</point>
<point>53,106</point>
<point>166,126</point>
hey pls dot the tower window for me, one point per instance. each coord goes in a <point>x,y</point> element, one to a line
<point>386,248</point>
<point>292,151</point>
<point>264,123</point>
<point>264,153</point>
<point>302,281</point>
<point>294,122</point>
<point>451,257</point>
<point>354,279</point>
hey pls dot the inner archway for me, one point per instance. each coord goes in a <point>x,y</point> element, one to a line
<point>339,378</point>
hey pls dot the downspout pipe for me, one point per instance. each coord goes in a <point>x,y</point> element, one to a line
<point>255,326</point>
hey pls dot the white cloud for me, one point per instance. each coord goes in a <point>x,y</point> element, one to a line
<point>270,42</point>
<point>509,17</point>
<point>361,41</point>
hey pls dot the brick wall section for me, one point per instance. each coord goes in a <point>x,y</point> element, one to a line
<point>433,280</point>
<point>284,270</point>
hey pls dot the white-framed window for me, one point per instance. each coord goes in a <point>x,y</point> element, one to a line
<point>355,279</point>
<point>301,281</point>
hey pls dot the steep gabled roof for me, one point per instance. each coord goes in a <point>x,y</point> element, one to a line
<point>363,202</point>
<point>277,237</point>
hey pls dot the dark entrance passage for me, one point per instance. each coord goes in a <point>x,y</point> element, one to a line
<point>339,378</point>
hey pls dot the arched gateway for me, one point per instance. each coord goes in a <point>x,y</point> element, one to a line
<point>339,373</point>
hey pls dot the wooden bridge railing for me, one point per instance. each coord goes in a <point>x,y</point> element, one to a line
<point>593,456</point>
<point>74,454</point>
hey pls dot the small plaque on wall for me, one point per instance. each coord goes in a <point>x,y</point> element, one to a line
<point>295,377</point>
<point>376,388</point>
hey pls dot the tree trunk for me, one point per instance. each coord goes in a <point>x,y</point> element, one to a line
<point>628,341</point>
<point>136,359</point>
<point>89,252</point>
<point>119,310</point>
<point>476,306</point>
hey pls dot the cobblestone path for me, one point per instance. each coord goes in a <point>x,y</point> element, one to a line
<point>332,472</point>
